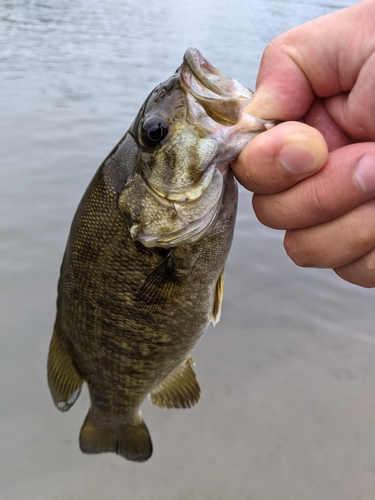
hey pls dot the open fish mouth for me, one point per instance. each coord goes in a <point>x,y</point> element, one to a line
<point>222,97</point>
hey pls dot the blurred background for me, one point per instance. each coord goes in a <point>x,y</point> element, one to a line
<point>288,375</point>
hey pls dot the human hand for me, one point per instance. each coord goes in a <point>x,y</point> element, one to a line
<point>316,177</point>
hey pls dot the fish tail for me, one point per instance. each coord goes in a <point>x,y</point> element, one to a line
<point>132,442</point>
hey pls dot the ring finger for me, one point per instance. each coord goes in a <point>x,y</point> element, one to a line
<point>335,243</point>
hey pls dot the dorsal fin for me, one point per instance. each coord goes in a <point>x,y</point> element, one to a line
<point>178,390</point>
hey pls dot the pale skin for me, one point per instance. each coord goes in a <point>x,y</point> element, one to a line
<point>314,176</point>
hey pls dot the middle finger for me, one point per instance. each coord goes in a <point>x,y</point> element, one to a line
<point>328,194</point>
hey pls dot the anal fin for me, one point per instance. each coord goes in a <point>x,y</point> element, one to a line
<point>178,390</point>
<point>63,379</point>
<point>132,442</point>
<point>219,293</point>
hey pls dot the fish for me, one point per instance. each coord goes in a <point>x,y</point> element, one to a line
<point>143,271</point>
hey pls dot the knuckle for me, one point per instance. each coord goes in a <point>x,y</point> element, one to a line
<point>270,49</point>
<point>260,208</point>
<point>360,227</point>
<point>256,184</point>
<point>295,251</point>
<point>321,207</point>
<point>361,236</point>
<point>271,211</point>
<point>358,273</point>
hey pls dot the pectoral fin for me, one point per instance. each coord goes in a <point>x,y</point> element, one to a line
<point>163,285</point>
<point>63,379</point>
<point>178,390</point>
<point>219,293</point>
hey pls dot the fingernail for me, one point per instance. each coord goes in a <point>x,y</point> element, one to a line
<point>365,174</point>
<point>297,159</point>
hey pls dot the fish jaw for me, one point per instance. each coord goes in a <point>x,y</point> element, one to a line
<point>217,104</point>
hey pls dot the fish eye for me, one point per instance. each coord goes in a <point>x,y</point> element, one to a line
<point>154,130</point>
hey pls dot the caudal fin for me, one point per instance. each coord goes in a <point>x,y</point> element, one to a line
<point>132,442</point>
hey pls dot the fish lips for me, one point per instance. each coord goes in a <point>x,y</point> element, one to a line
<point>222,97</point>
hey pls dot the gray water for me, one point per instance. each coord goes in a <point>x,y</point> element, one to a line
<point>288,375</point>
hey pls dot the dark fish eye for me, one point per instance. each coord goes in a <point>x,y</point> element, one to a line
<point>154,130</point>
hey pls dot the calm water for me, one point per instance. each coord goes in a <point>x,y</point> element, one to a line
<point>288,376</point>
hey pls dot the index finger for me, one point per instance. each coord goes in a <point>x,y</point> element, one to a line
<point>320,58</point>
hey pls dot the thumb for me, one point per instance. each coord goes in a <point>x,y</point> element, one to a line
<point>282,90</point>
<point>280,158</point>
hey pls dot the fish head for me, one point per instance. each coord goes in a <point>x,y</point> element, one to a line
<point>187,132</point>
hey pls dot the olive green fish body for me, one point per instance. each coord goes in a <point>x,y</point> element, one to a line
<point>99,310</point>
<point>142,274</point>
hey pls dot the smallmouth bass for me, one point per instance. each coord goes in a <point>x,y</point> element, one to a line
<point>143,270</point>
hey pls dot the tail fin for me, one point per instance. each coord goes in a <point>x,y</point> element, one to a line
<point>132,442</point>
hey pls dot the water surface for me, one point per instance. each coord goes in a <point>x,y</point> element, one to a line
<point>288,375</point>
